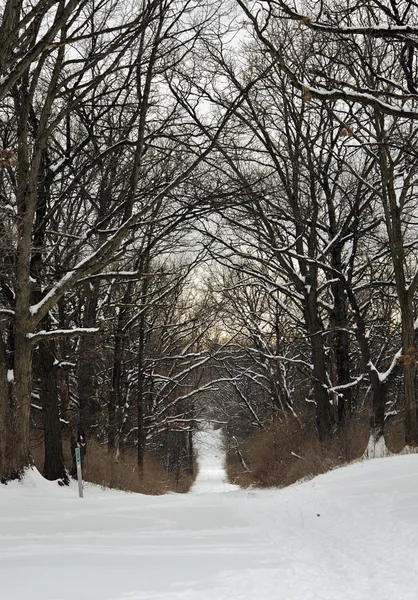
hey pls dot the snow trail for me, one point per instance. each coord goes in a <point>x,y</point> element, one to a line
<point>211,477</point>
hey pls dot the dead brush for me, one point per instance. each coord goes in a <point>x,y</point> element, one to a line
<point>394,432</point>
<point>287,451</point>
<point>105,469</point>
<point>121,472</point>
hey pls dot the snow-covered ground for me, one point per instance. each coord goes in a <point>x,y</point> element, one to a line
<point>211,477</point>
<point>349,535</point>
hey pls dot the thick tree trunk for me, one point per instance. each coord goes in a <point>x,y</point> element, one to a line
<point>5,423</point>
<point>410,371</point>
<point>190,453</point>
<point>280,392</point>
<point>64,387</point>
<point>115,396</point>
<point>115,392</point>
<point>15,411</point>
<point>54,467</point>
<point>19,348</point>
<point>142,336</point>
<point>395,229</point>
<point>315,332</point>
<point>341,344</point>
<point>141,396</point>
<point>379,389</point>
<point>86,362</point>
<point>339,337</point>
<point>411,424</point>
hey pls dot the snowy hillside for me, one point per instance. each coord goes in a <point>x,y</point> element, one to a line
<point>349,535</point>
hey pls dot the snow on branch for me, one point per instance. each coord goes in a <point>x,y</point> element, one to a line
<point>122,275</point>
<point>346,386</point>
<point>61,333</point>
<point>384,376</point>
<point>100,258</point>
<point>321,92</point>
<point>378,30</point>
<point>281,358</point>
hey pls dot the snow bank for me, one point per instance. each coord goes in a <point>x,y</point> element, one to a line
<point>351,534</point>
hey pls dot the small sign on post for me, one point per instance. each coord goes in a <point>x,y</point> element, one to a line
<point>79,474</point>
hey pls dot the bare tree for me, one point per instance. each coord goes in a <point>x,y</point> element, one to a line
<point>108,66</point>
<point>363,57</point>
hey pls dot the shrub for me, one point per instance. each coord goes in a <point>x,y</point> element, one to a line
<point>287,451</point>
<point>106,470</point>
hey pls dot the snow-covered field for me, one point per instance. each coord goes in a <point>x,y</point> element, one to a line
<point>349,535</point>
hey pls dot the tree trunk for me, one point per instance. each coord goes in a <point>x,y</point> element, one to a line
<point>395,226</point>
<point>86,362</point>
<point>15,411</point>
<point>5,421</point>
<point>410,371</point>
<point>54,467</point>
<point>115,396</point>
<point>315,332</point>
<point>140,396</point>
<point>115,392</point>
<point>341,344</point>
<point>379,389</point>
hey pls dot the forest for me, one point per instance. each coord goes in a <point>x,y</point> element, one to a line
<point>208,211</point>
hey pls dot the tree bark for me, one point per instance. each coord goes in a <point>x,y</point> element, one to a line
<point>394,227</point>
<point>54,467</point>
<point>341,351</point>
<point>379,387</point>
<point>315,332</point>
<point>141,396</point>
<point>86,361</point>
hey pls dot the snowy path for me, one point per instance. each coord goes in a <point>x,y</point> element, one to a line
<point>211,477</point>
<point>349,535</point>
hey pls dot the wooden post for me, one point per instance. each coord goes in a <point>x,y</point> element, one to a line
<point>79,473</point>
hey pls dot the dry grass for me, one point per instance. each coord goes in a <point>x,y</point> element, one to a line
<point>286,452</point>
<point>103,469</point>
<point>122,473</point>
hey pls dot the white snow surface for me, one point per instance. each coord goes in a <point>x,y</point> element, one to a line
<point>351,534</point>
<point>211,476</point>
